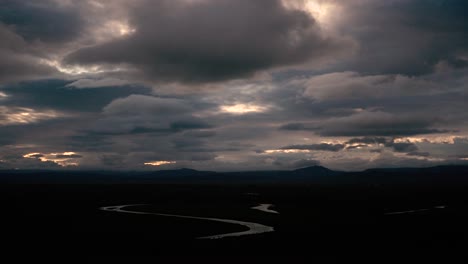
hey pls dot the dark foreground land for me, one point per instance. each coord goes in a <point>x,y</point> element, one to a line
<point>330,222</point>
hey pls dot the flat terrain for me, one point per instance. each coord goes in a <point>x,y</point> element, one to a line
<point>326,223</point>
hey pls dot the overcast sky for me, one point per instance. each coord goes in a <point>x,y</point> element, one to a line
<point>233,84</point>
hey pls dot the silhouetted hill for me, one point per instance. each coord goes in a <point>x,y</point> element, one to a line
<point>308,175</point>
<point>316,172</point>
<point>179,175</point>
<point>430,175</point>
<point>314,169</point>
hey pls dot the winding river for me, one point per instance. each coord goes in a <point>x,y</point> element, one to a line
<point>265,208</point>
<point>253,228</point>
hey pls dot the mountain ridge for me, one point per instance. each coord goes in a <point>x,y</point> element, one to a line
<point>306,175</point>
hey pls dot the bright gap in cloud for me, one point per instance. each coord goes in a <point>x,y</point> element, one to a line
<point>446,139</point>
<point>24,115</point>
<point>111,30</point>
<point>79,70</point>
<point>321,11</point>
<point>240,109</point>
<point>159,163</point>
<point>270,151</point>
<point>63,159</point>
<point>120,29</point>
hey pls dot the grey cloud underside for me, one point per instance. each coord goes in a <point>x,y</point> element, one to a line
<point>355,143</point>
<point>350,104</point>
<point>34,31</point>
<point>145,114</point>
<point>377,124</point>
<point>142,125</point>
<point>403,147</point>
<point>56,94</point>
<point>212,40</point>
<point>19,61</point>
<point>323,146</point>
<point>367,124</point>
<point>41,20</point>
<point>408,37</point>
<point>68,156</point>
<point>419,154</point>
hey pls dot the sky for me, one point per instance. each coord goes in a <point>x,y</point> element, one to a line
<point>233,85</point>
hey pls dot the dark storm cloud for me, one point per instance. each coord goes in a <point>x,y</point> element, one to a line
<point>57,95</point>
<point>25,163</point>
<point>32,32</point>
<point>147,114</point>
<point>190,142</point>
<point>406,78</point>
<point>403,147</point>
<point>341,86</point>
<point>68,156</point>
<point>396,146</point>
<point>294,127</point>
<point>368,124</point>
<point>54,135</point>
<point>212,40</point>
<point>322,146</point>
<point>112,160</point>
<point>383,105</point>
<point>189,124</point>
<point>419,154</point>
<point>409,36</point>
<point>200,133</point>
<point>90,142</point>
<point>45,21</point>
<point>12,158</point>
<point>377,124</point>
<point>18,59</point>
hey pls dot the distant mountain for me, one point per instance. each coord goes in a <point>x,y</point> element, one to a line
<point>316,171</point>
<point>175,176</point>
<point>308,175</point>
<point>430,175</point>
<point>180,173</point>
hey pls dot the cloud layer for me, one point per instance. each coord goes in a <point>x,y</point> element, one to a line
<point>212,40</point>
<point>232,85</point>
